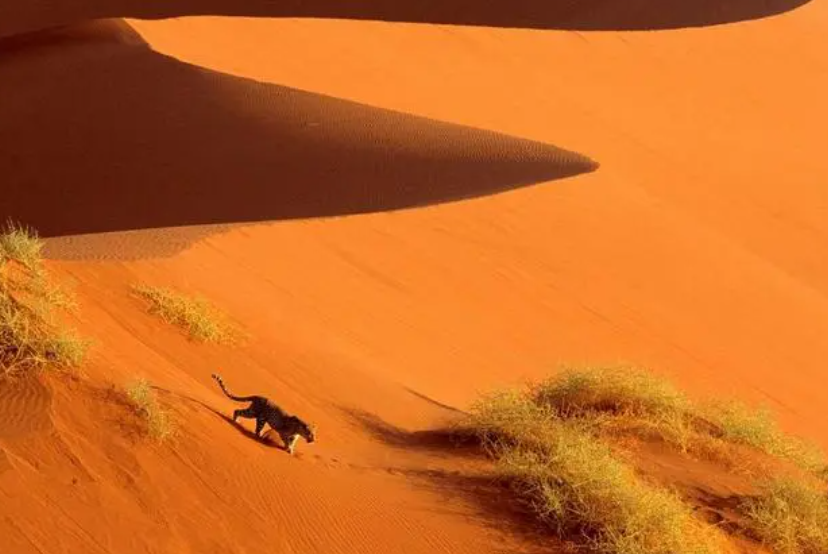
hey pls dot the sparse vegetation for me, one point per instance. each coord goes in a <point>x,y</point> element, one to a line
<point>790,516</point>
<point>556,444</point>
<point>628,400</point>
<point>617,389</point>
<point>159,423</point>
<point>202,321</point>
<point>573,482</point>
<point>20,244</point>
<point>756,427</point>
<point>620,400</point>
<point>31,337</point>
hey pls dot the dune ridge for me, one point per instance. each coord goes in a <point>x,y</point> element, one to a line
<point>594,15</point>
<point>264,152</point>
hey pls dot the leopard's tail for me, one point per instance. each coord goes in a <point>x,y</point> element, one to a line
<point>218,379</point>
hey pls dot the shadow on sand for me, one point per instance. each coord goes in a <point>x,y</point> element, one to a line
<point>101,133</point>
<point>585,15</point>
<point>265,439</point>
<point>443,441</point>
<point>495,507</point>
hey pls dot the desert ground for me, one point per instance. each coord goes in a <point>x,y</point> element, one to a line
<point>402,205</point>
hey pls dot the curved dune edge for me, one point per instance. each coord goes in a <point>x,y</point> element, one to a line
<point>585,15</point>
<point>188,146</point>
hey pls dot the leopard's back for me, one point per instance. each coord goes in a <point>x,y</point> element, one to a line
<point>271,412</point>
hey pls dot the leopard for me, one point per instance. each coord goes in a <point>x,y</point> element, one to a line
<point>289,427</point>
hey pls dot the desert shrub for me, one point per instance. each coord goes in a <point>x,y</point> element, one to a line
<point>620,400</point>
<point>573,482</point>
<point>628,400</point>
<point>159,423</point>
<point>789,516</point>
<point>613,389</point>
<point>198,317</point>
<point>757,428</point>
<point>31,335</point>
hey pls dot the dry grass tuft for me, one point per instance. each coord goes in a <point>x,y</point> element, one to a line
<point>626,400</point>
<point>556,443</point>
<point>615,389</point>
<point>573,482</point>
<point>621,400</point>
<point>202,321</point>
<point>755,427</point>
<point>159,422</point>
<point>20,244</point>
<point>790,517</point>
<point>31,336</point>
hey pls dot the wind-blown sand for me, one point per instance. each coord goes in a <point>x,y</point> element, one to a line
<point>695,248</point>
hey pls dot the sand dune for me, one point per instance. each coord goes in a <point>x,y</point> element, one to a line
<point>140,140</point>
<point>528,14</point>
<point>696,249</point>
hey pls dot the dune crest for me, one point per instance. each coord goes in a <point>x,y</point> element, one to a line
<point>160,143</point>
<point>584,15</point>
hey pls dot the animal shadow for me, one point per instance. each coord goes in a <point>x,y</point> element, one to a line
<point>265,439</point>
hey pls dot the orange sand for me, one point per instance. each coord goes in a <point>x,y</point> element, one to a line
<point>696,248</point>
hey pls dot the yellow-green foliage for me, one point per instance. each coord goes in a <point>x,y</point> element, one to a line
<point>159,422</point>
<point>510,417</point>
<point>21,245</point>
<point>615,389</point>
<point>574,483</point>
<point>756,427</point>
<point>202,321</point>
<point>625,399</point>
<point>31,337</point>
<point>790,516</point>
<point>620,399</point>
<point>553,442</point>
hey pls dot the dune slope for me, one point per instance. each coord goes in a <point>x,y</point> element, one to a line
<point>189,146</point>
<point>694,249</point>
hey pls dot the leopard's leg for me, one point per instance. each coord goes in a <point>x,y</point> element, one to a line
<point>260,422</point>
<point>291,443</point>
<point>285,438</point>
<point>247,413</point>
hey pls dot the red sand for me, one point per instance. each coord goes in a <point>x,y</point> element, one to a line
<point>696,248</point>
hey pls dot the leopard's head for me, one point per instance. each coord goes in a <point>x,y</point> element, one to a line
<point>308,432</point>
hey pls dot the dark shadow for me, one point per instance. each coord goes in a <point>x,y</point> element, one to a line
<point>263,439</point>
<point>101,133</point>
<point>434,402</point>
<point>526,14</point>
<point>496,507</point>
<point>724,511</point>
<point>443,441</point>
<point>127,419</point>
